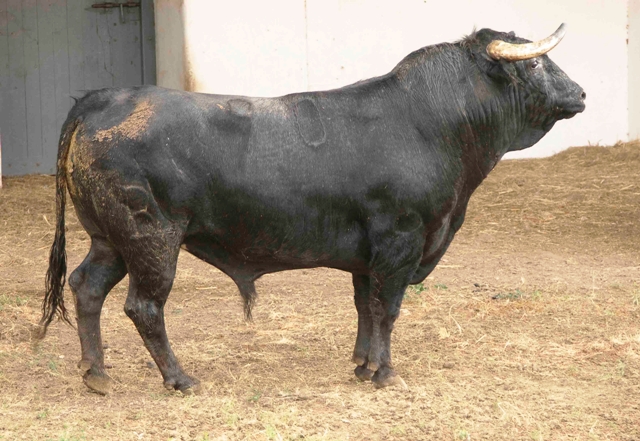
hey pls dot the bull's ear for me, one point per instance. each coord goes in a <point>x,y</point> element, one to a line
<point>499,71</point>
<point>496,70</point>
<point>502,71</point>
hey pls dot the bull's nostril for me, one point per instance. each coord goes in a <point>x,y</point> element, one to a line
<point>583,95</point>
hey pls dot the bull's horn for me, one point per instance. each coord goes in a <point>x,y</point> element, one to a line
<point>499,49</point>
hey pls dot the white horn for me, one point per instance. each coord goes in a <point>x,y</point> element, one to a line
<point>501,50</point>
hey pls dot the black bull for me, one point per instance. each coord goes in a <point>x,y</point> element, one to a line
<point>373,179</point>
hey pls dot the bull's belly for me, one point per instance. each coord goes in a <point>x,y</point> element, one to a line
<point>272,248</point>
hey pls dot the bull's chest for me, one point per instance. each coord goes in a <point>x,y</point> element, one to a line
<point>438,238</point>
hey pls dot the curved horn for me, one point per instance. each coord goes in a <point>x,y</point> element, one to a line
<point>501,50</point>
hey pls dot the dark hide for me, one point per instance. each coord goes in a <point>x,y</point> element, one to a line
<point>373,179</point>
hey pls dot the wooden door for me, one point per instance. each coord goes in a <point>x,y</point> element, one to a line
<point>53,50</point>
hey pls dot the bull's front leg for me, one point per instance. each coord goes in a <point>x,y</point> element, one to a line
<point>396,255</point>
<point>384,304</point>
<point>365,327</point>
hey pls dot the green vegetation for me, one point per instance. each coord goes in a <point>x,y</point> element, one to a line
<point>7,301</point>
<point>517,294</point>
<point>416,290</point>
<point>53,366</point>
<point>255,396</point>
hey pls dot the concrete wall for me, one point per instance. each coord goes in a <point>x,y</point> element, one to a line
<point>171,60</point>
<point>247,47</point>
<point>251,47</point>
<point>634,69</point>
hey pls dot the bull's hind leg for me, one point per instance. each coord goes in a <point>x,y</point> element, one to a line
<point>152,266</point>
<point>90,283</point>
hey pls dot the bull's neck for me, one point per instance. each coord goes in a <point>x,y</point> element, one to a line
<point>459,111</point>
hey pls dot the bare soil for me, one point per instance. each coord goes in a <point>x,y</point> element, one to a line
<point>529,329</point>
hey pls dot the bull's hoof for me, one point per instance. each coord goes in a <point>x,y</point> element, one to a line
<point>84,365</point>
<point>386,377</point>
<point>95,378</point>
<point>363,373</point>
<point>360,361</point>
<point>98,383</point>
<point>196,389</point>
<point>186,385</point>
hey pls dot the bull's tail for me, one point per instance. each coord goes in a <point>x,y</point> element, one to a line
<point>53,303</point>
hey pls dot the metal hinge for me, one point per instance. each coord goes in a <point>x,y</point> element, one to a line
<point>120,5</point>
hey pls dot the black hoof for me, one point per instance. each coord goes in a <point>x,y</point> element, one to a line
<point>385,377</point>
<point>186,385</point>
<point>98,382</point>
<point>363,373</point>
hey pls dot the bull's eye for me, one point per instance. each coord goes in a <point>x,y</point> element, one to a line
<point>534,64</point>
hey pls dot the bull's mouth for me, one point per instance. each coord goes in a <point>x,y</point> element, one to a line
<point>569,111</point>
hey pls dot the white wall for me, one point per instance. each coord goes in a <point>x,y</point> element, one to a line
<point>171,69</point>
<point>634,69</point>
<point>247,47</point>
<point>255,47</point>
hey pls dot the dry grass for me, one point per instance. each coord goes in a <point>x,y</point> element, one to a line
<point>528,330</point>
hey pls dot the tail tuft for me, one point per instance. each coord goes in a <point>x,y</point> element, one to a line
<point>53,303</point>
<point>248,293</point>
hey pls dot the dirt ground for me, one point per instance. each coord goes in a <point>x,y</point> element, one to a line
<point>528,329</point>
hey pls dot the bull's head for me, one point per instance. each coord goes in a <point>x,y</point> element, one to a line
<point>548,93</point>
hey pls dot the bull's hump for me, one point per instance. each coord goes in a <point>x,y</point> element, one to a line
<point>237,106</point>
<point>240,107</point>
<point>309,122</point>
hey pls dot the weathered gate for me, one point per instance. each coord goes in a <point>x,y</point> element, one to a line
<point>52,50</point>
